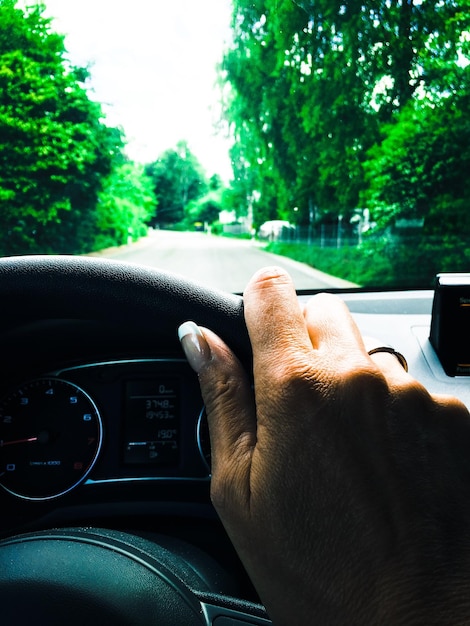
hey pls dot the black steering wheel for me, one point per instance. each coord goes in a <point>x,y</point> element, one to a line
<point>97,576</point>
<point>93,288</point>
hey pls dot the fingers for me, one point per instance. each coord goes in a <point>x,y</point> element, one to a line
<point>229,403</point>
<point>391,368</point>
<point>294,349</point>
<point>275,322</point>
<point>338,341</point>
<point>451,404</point>
<point>334,336</point>
<point>391,365</point>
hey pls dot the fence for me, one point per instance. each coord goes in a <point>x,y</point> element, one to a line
<point>322,236</point>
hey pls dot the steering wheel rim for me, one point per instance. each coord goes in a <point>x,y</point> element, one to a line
<point>69,287</point>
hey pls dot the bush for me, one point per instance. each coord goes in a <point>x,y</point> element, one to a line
<point>384,262</point>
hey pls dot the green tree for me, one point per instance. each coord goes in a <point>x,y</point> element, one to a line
<point>206,210</point>
<point>316,84</point>
<point>295,102</point>
<point>178,178</point>
<point>420,170</point>
<point>125,206</point>
<point>55,149</point>
<point>215,182</point>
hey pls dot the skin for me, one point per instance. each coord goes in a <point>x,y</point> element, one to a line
<point>342,483</point>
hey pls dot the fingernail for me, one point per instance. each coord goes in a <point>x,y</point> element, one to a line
<point>194,344</point>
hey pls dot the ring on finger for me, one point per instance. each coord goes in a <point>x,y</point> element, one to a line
<point>398,355</point>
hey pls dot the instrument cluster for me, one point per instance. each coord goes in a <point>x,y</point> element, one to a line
<point>124,420</point>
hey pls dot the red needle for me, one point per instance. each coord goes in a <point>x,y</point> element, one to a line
<point>11,443</point>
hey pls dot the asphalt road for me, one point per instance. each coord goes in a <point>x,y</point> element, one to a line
<point>218,262</point>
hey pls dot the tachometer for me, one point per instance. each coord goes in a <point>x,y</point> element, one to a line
<point>50,438</point>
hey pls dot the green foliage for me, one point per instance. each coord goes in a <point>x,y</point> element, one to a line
<point>218,229</point>
<point>385,262</point>
<point>234,200</point>
<point>125,205</point>
<point>319,87</point>
<point>207,208</point>
<point>178,178</point>
<point>215,183</point>
<point>204,210</point>
<point>54,148</point>
<point>420,170</point>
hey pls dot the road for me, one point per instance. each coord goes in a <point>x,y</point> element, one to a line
<point>217,262</point>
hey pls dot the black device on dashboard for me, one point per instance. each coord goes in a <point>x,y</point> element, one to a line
<point>450,324</point>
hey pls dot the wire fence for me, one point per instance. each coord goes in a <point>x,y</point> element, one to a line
<point>389,258</point>
<point>322,236</point>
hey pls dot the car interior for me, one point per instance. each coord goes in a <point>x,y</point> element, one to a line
<point>345,154</point>
<point>123,491</point>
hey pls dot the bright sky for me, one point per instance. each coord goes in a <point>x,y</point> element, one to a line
<point>153,67</point>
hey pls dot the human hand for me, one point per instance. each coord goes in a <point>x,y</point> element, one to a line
<point>342,483</point>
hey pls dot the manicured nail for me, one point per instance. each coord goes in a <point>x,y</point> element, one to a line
<point>194,344</point>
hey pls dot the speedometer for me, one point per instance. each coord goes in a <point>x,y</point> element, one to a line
<point>50,438</point>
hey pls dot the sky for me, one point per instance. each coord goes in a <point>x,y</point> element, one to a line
<point>153,68</point>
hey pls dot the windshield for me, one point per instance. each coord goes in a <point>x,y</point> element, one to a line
<point>212,138</point>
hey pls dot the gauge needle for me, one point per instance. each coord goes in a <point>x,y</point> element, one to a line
<point>12,443</point>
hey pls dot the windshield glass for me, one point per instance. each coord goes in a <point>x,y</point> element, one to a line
<point>212,138</point>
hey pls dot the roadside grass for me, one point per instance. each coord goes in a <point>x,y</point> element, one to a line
<point>383,263</point>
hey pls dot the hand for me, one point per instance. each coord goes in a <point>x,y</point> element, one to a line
<point>342,483</point>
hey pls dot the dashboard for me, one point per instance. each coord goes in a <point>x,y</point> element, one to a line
<point>116,418</point>
<point>102,424</point>
<point>98,420</point>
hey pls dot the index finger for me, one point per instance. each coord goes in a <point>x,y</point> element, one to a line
<point>275,321</point>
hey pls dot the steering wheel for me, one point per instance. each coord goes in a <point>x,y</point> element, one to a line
<point>90,288</point>
<point>97,576</point>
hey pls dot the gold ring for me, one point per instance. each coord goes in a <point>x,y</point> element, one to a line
<point>398,355</point>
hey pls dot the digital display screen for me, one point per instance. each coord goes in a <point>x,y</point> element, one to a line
<point>152,422</point>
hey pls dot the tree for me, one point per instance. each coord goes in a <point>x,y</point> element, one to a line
<point>178,178</point>
<point>55,149</point>
<point>205,210</point>
<point>306,116</point>
<point>215,182</point>
<point>125,206</point>
<point>317,83</point>
<point>420,170</point>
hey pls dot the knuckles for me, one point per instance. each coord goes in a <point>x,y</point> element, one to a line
<point>298,377</point>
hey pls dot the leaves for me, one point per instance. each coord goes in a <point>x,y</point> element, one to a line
<point>178,178</point>
<point>420,170</point>
<point>125,206</point>
<point>55,149</point>
<point>338,105</point>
